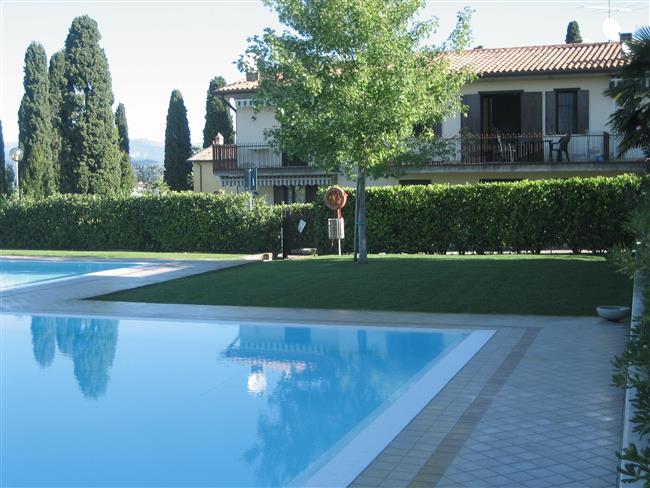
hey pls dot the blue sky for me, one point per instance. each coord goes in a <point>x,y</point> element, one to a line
<point>154,47</point>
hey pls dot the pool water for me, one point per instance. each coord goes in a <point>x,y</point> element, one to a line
<point>17,272</point>
<point>88,402</point>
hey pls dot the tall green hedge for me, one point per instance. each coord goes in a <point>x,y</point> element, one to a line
<point>578,213</point>
<point>170,222</point>
<point>574,213</point>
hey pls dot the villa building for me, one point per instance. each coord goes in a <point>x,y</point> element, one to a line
<point>534,112</point>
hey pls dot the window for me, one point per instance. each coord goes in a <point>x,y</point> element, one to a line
<point>567,111</point>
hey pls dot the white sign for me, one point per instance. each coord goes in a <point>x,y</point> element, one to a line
<point>301,225</point>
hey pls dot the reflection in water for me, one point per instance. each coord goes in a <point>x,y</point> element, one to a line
<point>328,382</point>
<point>91,344</point>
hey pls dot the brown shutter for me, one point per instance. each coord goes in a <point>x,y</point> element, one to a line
<point>472,122</point>
<point>551,117</point>
<point>583,111</point>
<point>531,113</point>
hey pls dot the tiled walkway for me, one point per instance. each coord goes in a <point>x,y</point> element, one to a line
<point>534,408</point>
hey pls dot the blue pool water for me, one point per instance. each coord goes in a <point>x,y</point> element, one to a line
<point>88,402</point>
<point>16,272</point>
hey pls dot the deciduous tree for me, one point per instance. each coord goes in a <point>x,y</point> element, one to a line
<point>178,147</point>
<point>36,170</point>
<point>352,82</point>
<point>217,115</point>
<point>91,157</point>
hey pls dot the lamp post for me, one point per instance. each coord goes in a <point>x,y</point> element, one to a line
<point>16,155</point>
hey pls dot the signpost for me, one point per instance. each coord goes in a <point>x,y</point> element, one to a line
<point>336,198</point>
<point>250,184</point>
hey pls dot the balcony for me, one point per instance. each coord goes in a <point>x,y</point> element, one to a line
<point>517,149</point>
<point>242,156</point>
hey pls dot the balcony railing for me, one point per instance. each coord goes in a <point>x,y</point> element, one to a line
<point>242,156</point>
<point>469,149</point>
<point>531,148</point>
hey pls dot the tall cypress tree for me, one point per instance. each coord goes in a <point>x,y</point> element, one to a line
<point>57,89</point>
<point>128,177</point>
<point>573,33</point>
<point>35,127</point>
<point>3,188</point>
<point>90,161</point>
<point>178,147</point>
<point>217,115</point>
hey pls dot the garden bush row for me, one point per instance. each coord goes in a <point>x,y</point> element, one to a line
<point>574,213</point>
<point>578,213</point>
<point>190,222</point>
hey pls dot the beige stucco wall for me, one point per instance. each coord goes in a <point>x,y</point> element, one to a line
<point>251,125</point>
<point>206,182</point>
<point>600,106</point>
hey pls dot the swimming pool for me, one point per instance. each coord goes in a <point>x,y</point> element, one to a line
<point>98,401</point>
<point>19,272</point>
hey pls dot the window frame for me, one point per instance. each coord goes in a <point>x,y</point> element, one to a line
<point>574,92</point>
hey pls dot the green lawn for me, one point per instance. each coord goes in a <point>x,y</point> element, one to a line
<point>116,254</point>
<point>506,284</point>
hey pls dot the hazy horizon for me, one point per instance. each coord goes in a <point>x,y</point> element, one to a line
<point>156,47</point>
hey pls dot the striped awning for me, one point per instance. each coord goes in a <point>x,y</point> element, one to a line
<point>280,180</point>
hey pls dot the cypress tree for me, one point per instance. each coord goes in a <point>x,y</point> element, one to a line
<point>3,188</point>
<point>36,170</point>
<point>217,115</point>
<point>573,33</point>
<point>178,147</point>
<point>90,161</point>
<point>127,175</point>
<point>57,89</point>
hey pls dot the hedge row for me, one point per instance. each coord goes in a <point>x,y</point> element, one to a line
<point>574,213</point>
<point>170,222</point>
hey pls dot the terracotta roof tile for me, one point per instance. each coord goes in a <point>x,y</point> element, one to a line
<point>556,58</point>
<point>603,56</point>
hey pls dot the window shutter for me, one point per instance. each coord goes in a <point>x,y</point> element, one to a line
<point>583,111</point>
<point>531,113</point>
<point>551,116</point>
<point>471,123</point>
<point>437,130</point>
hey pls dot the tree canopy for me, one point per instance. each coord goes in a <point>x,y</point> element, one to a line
<point>178,147</point>
<point>632,94</point>
<point>3,188</point>
<point>217,115</point>
<point>91,157</point>
<point>57,89</point>
<point>573,33</point>
<point>353,81</point>
<point>127,174</point>
<point>36,171</point>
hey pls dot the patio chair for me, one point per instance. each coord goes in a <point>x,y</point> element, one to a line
<point>505,150</point>
<point>562,147</point>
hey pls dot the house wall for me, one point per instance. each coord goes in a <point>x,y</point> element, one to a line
<point>600,106</point>
<point>206,182</point>
<point>251,125</point>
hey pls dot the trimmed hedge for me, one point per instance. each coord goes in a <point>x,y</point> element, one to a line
<point>171,222</point>
<point>574,213</point>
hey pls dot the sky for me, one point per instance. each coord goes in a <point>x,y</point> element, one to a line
<point>154,47</point>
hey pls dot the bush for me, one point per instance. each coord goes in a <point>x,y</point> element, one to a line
<point>189,222</point>
<point>574,213</point>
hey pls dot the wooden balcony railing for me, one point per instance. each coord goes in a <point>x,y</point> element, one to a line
<point>243,156</point>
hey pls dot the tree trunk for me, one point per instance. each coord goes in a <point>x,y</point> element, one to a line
<point>356,222</point>
<point>361,198</point>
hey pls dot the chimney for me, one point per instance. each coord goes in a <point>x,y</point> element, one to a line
<point>625,36</point>
<point>252,75</point>
<point>218,139</point>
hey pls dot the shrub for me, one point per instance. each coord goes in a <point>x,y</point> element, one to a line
<point>574,213</point>
<point>170,222</point>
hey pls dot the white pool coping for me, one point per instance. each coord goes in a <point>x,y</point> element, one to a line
<point>363,448</point>
<point>117,271</point>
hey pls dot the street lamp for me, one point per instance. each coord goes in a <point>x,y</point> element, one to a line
<point>16,155</point>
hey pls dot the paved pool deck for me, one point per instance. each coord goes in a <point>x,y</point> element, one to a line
<point>534,408</point>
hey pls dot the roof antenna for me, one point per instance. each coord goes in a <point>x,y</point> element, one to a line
<point>611,27</point>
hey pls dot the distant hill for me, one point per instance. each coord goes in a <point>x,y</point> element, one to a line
<point>146,162</point>
<point>147,150</point>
